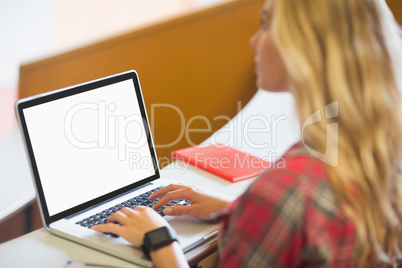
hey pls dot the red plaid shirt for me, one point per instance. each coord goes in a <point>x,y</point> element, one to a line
<point>288,217</point>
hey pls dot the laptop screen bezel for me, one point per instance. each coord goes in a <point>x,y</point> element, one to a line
<point>70,91</point>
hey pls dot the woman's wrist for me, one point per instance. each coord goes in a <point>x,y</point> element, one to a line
<point>168,256</point>
<point>154,254</point>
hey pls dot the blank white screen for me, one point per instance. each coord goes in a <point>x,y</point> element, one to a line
<point>89,144</point>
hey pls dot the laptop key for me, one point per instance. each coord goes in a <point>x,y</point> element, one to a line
<point>143,200</point>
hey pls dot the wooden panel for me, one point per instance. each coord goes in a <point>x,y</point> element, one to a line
<point>396,8</point>
<point>24,221</point>
<point>200,64</point>
<point>12,227</point>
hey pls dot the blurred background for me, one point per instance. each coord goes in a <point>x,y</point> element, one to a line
<point>34,30</point>
<point>31,30</point>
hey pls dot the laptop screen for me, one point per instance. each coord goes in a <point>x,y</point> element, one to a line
<point>89,143</point>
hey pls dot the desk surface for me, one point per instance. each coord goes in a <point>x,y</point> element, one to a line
<point>266,127</point>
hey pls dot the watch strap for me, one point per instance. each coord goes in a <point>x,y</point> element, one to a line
<point>165,236</point>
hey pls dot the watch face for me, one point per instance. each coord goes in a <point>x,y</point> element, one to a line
<point>159,236</point>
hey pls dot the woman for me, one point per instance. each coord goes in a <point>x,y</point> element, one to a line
<point>316,212</point>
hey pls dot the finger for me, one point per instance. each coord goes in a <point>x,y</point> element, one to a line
<point>108,228</point>
<point>128,211</point>
<point>166,189</point>
<point>140,208</point>
<point>179,210</point>
<point>184,193</point>
<point>149,212</point>
<point>118,216</point>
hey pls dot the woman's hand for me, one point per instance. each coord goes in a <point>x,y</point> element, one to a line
<point>134,224</point>
<point>204,205</point>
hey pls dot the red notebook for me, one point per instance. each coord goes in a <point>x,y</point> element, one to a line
<point>224,161</point>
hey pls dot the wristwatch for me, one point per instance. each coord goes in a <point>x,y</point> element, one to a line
<point>157,239</point>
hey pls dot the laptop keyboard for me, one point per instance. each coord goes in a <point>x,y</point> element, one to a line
<point>141,199</point>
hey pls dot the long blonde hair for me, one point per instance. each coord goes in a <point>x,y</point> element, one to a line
<point>349,52</point>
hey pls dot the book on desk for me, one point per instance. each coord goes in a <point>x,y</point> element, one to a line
<point>224,161</point>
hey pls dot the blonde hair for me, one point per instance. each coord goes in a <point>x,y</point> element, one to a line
<point>349,51</point>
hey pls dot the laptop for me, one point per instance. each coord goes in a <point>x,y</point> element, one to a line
<point>91,152</point>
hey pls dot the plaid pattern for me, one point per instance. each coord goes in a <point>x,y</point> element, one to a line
<point>288,218</point>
